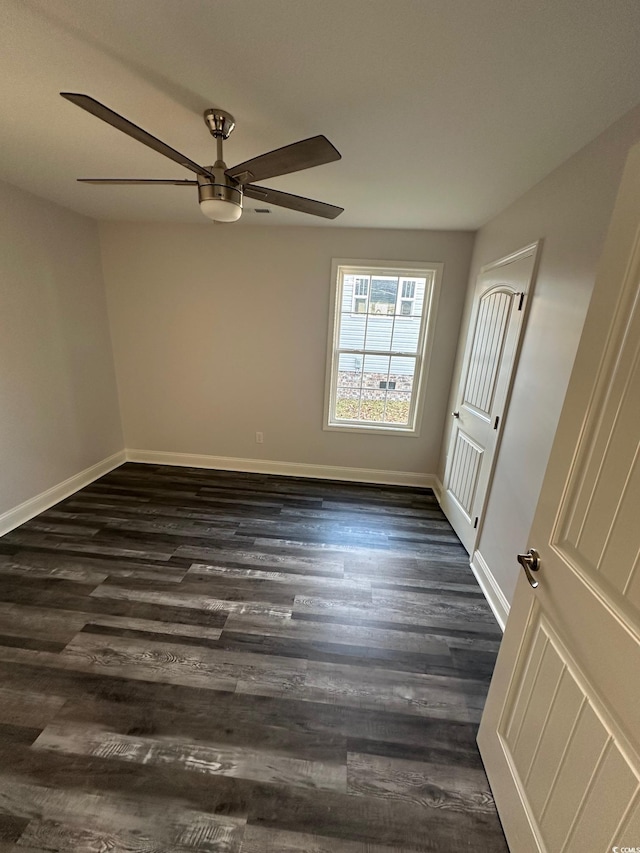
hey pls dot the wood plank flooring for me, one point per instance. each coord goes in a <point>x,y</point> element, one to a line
<point>194,660</point>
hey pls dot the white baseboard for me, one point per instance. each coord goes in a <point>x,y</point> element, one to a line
<point>437,489</point>
<point>288,469</point>
<point>492,592</point>
<point>13,518</point>
<point>488,584</point>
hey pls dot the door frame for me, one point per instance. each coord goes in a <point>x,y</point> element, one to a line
<point>530,250</point>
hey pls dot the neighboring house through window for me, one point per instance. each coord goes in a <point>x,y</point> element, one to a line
<point>379,340</point>
<point>360,294</point>
<point>406,297</point>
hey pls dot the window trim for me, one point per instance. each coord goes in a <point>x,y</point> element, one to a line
<point>346,266</point>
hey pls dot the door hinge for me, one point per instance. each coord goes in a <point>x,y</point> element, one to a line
<point>521,303</point>
<point>475,523</point>
<point>496,422</point>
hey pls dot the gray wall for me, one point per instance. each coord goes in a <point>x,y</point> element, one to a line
<point>570,210</point>
<point>58,400</point>
<point>220,331</point>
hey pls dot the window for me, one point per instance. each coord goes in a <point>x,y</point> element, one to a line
<point>378,344</point>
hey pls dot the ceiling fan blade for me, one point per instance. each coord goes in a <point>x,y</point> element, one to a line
<point>100,111</point>
<point>127,181</point>
<point>293,202</point>
<point>314,151</point>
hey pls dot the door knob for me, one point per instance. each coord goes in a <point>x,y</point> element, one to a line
<point>456,414</point>
<point>530,562</point>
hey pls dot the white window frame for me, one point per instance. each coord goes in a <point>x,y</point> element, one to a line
<point>405,269</point>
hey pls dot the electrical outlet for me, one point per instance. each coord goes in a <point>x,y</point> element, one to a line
<point>259,438</point>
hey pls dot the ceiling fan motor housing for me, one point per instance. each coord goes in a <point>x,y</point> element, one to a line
<point>220,189</point>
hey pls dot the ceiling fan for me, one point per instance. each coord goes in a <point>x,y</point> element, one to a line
<point>220,190</point>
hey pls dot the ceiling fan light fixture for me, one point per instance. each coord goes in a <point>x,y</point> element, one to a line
<point>221,210</point>
<point>219,199</point>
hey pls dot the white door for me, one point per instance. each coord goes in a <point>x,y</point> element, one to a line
<point>491,351</point>
<point>560,734</point>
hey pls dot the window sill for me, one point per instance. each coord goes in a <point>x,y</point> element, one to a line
<point>407,432</point>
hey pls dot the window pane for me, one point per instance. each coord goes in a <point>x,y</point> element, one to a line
<point>384,295</point>
<point>398,403</point>
<point>349,386</point>
<point>348,292</point>
<point>419,294</point>
<point>401,371</point>
<point>379,330</point>
<point>408,289</point>
<point>360,300</point>
<point>406,334</point>
<point>376,370</point>
<point>347,406</point>
<point>352,330</point>
<point>373,403</point>
<point>350,370</point>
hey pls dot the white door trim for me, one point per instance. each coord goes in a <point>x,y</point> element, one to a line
<point>531,250</point>
<point>525,252</point>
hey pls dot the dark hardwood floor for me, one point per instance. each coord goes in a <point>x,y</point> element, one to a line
<point>194,660</point>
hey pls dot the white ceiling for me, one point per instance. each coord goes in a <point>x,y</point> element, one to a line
<point>445,111</point>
